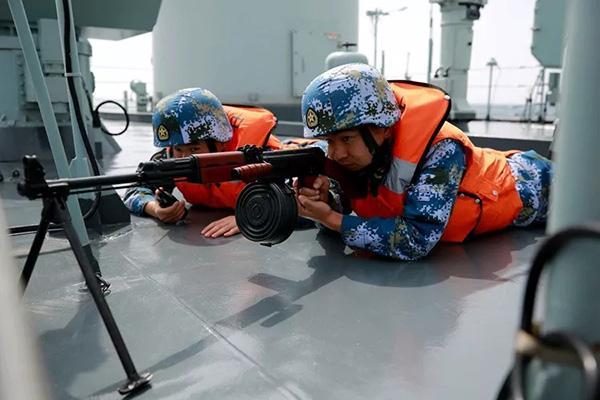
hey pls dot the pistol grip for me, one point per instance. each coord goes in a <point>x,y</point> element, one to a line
<point>306,181</point>
<point>165,199</point>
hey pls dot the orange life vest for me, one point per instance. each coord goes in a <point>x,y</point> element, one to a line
<point>251,125</point>
<point>488,199</point>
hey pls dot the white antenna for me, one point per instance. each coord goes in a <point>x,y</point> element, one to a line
<point>374,15</point>
<point>492,63</point>
<point>430,55</point>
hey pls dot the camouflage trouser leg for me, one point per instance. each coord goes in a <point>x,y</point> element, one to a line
<point>533,176</point>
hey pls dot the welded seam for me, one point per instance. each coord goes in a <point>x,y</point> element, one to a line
<point>158,241</point>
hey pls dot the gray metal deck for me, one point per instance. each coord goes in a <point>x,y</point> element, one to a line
<point>306,319</point>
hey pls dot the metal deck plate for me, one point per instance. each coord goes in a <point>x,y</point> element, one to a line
<point>306,319</point>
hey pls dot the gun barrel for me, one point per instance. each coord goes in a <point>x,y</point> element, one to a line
<point>247,165</point>
<point>94,181</point>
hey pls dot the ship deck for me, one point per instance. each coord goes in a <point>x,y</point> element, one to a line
<point>307,319</point>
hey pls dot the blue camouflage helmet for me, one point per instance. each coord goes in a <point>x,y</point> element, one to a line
<point>345,97</point>
<point>188,116</point>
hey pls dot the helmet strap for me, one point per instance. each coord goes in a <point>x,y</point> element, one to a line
<point>381,159</point>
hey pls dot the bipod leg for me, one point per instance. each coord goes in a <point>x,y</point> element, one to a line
<point>38,241</point>
<point>135,381</point>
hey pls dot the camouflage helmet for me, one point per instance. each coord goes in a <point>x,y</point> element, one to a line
<point>345,97</point>
<point>188,116</point>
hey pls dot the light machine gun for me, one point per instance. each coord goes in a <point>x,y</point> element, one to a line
<point>266,209</point>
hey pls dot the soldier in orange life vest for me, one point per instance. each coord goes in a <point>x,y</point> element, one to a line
<point>423,179</point>
<point>193,121</point>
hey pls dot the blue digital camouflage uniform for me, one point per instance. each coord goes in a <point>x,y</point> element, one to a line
<point>184,117</point>
<point>352,95</point>
<point>188,116</point>
<point>345,97</point>
<point>430,200</point>
<point>533,175</point>
<point>427,208</point>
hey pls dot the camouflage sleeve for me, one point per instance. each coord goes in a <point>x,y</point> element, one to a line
<point>136,198</point>
<point>427,210</point>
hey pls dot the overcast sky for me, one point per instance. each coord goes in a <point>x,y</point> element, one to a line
<point>502,32</point>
